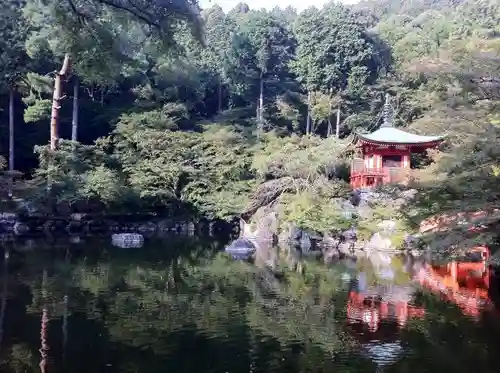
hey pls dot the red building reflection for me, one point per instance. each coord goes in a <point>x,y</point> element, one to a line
<point>372,311</point>
<point>465,283</point>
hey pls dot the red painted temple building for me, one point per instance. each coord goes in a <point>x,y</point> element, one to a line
<point>386,153</point>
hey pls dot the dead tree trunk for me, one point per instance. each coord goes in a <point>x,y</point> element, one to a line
<point>56,102</point>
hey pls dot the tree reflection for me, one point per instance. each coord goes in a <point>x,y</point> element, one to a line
<point>446,339</point>
<point>184,307</point>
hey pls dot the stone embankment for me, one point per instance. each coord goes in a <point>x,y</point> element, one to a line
<point>19,225</point>
<point>331,245</point>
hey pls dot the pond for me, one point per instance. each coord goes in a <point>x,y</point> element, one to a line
<point>179,304</point>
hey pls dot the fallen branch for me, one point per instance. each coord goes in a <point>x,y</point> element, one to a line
<point>269,191</point>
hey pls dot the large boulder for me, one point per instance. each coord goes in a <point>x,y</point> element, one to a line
<point>306,240</point>
<point>7,221</point>
<point>379,242</point>
<point>241,248</point>
<point>127,240</point>
<point>20,228</point>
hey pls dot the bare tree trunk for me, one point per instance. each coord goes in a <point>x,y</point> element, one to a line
<point>11,139</point>
<point>44,346</point>
<point>337,126</point>
<point>260,107</point>
<point>257,116</point>
<point>329,130</point>
<point>74,121</point>
<point>314,124</point>
<point>219,96</point>
<point>261,99</point>
<point>54,117</point>
<point>56,102</point>
<point>308,121</point>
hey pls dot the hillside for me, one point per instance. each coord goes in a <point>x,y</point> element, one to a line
<point>211,112</point>
<point>382,9</point>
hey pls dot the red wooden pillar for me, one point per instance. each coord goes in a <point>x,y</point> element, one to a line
<point>384,310</point>
<point>453,268</point>
<point>486,278</point>
<point>402,313</point>
<point>373,319</point>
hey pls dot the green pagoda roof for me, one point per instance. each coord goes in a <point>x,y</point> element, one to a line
<point>388,134</point>
<point>391,135</point>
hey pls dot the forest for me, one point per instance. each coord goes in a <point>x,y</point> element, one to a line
<point>149,105</point>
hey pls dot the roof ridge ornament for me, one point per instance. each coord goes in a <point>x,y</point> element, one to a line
<point>388,113</point>
<point>388,135</point>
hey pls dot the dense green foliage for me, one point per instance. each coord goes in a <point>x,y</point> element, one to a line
<point>211,109</point>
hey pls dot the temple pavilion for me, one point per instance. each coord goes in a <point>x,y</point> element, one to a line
<point>385,154</point>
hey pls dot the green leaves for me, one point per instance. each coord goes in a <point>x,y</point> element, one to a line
<point>177,117</point>
<point>309,211</point>
<point>101,184</point>
<point>274,46</point>
<point>104,36</point>
<point>37,110</point>
<point>330,44</point>
<point>204,168</point>
<point>13,57</point>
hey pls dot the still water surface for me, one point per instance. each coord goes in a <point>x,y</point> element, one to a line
<point>181,305</point>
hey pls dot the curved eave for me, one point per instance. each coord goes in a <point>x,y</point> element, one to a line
<point>411,140</point>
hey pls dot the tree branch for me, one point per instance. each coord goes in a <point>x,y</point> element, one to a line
<point>141,17</point>
<point>82,17</point>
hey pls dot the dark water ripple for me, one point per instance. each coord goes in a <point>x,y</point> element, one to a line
<point>181,306</point>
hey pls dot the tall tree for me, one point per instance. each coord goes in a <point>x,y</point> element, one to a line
<point>81,31</point>
<point>219,29</point>
<point>332,48</point>
<point>13,62</point>
<point>274,49</point>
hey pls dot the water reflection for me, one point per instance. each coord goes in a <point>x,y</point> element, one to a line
<point>465,284</point>
<point>181,304</point>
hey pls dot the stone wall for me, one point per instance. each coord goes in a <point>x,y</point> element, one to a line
<point>80,223</point>
<point>265,227</point>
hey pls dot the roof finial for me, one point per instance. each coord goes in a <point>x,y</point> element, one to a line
<point>388,112</point>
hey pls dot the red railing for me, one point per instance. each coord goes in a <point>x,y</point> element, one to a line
<point>362,176</point>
